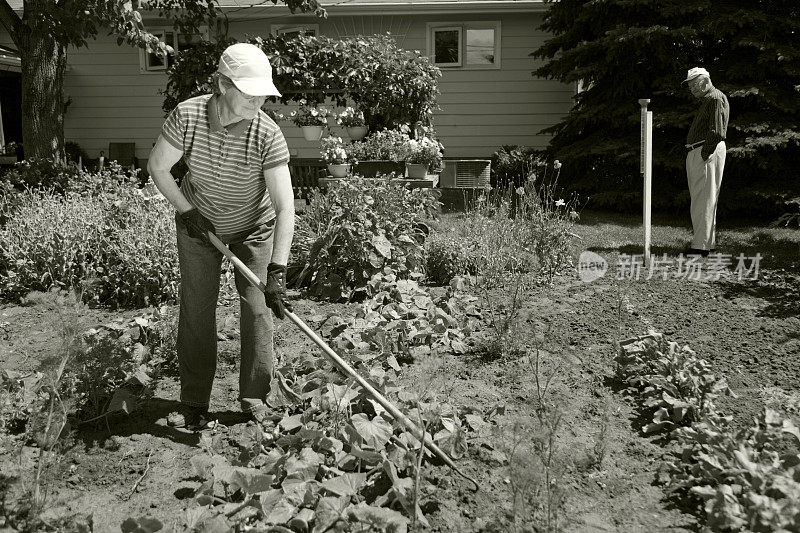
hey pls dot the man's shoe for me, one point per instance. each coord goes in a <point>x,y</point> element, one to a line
<point>697,251</point>
<point>190,417</point>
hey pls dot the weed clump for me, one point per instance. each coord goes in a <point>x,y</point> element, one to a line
<point>101,236</point>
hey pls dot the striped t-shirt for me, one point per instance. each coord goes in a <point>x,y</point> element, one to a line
<point>226,181</point>
<point>711,122</point>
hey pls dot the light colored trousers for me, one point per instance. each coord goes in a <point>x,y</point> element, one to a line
<point>705,180</point>
<point>200,265</point>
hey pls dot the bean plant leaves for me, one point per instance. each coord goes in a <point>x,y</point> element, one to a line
<point>303,468</point>
<point>368,518</point>
<point>217,524</point>
<point>375,432</point>
<point>203,464</point>
<point>195,516</point>
<point>340,396</point>
<point>250,480</point>
<point>403,489</point>
<point>280,512</point>
<point>382,245</point>
<point>288,423</point>
<point>329,510</point>
<point>122,400</point>
<point>345,485</point>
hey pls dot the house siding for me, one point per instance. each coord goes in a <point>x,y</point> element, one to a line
<point>481,110</point>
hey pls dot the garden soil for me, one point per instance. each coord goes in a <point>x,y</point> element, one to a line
<point>749,331</point>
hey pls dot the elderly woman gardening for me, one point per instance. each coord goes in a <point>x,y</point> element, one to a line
<point>238,187</point>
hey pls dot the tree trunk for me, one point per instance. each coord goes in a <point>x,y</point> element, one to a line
<point>44,63</point>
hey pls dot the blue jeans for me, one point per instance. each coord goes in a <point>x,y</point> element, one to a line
<point>200,266</point>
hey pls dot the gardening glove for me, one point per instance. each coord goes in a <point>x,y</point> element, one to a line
<point>197,225</point>
<point>275,290</point>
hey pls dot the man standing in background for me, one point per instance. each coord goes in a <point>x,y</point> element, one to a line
<point>706,158</point>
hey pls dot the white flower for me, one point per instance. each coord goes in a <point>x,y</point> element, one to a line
<point>521,191</point>
<point>560,202</point>
<point>556,164</point>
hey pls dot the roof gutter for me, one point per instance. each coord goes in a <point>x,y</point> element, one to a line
<point>394,8</point>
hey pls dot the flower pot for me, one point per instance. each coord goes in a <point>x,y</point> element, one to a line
<point>357,132</point>
<point>338,170</point>
<point>312,133</point>
<point>416,170</point>
<point>370,169</point>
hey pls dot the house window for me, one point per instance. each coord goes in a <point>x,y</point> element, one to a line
<point>155,62</point>
<point>469,45</point>
<point>293,30</point>
<point>447,47</point>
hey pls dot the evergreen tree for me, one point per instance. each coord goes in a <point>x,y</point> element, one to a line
<point>623,50</point>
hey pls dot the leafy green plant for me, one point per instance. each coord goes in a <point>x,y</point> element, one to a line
<point>42,174</point>
<point>672,382</point>
<point>792,214</point>
<point>512,164</point>
<point>424,151</point>
<point>741,479</point>
<point>446,257</point>
<point>90,238</point>
<point>350,118</point>
<point>401,320</point>
<point>354,231</point>
<point>334,150</point>
<point>386,145</point>
<point>334,462</point>
<point>309,116</point>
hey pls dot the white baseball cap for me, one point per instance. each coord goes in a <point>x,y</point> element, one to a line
<point>695,72</point>
<point>249,69</point>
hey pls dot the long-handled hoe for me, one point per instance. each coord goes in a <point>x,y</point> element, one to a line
<point>342,365</point>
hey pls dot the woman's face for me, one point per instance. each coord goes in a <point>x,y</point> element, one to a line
<point>243,105</point>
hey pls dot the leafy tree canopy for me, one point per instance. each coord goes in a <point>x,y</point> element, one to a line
<point>391,85</point>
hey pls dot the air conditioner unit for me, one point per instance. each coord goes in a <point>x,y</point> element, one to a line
<point>465,174</point>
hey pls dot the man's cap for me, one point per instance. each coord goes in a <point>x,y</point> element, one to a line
<point>695,72</point>
<point>249,69</point>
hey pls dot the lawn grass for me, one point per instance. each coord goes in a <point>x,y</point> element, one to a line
<point>623,233</point>
<point>610,232</point>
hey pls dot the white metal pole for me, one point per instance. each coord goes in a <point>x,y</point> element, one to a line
<point>646,168</point>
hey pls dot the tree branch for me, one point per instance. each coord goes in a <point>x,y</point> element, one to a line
<point>10,20</point>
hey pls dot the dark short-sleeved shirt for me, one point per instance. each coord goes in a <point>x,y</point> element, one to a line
<point>226,180</point>
<point>711,122</point>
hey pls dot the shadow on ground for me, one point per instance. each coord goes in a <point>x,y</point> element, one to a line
<point>151,419</point>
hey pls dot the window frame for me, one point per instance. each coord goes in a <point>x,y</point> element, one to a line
<point>432,44</point>
<point>161,33</point>
<point>280,29</point>
<point>463,64</point>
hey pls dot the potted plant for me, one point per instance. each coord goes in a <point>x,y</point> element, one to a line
<point>312,120</point>
<point>382,152</point>
<point>335,155</point>
<point>353,121</point>
<point>421,155</point>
